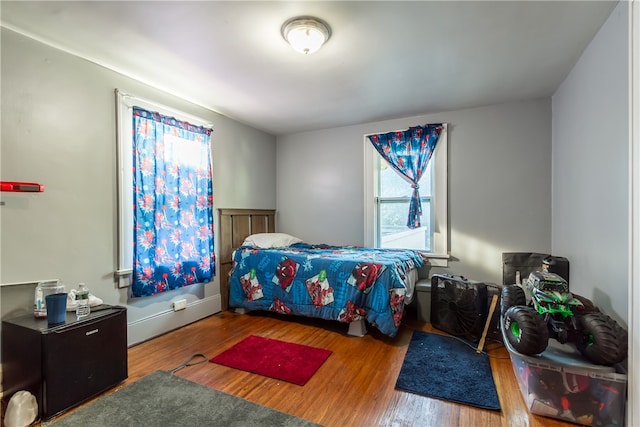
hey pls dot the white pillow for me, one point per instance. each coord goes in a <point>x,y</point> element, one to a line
<point>270,240</point>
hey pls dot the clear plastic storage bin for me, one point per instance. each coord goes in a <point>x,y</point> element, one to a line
<point>561,383</point>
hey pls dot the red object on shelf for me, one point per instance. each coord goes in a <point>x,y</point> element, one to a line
<point>23,187</point>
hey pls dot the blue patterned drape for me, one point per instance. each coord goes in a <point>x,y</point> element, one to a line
<point>408,152</point>
<point>173,204</point>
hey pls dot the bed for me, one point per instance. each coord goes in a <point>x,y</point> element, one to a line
<point>275,272</point>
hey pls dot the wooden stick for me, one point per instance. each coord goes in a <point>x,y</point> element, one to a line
<point>492,308</point>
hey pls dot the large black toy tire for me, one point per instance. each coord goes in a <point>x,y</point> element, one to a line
<point>511,295</point>
<point>525,330</point>
<point>604,342</point>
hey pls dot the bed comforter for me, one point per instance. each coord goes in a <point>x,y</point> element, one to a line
<point>343,283</point>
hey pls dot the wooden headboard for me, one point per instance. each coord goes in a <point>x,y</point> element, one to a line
<point>234,225</point>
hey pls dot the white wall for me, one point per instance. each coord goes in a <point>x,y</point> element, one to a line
<point>499,183</point>
<point>590,168</point>
<point>58,128</point>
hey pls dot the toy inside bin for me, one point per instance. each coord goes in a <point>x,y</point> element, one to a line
<point>560,383</point>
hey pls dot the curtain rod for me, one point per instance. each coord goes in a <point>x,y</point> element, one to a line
<point>201,121</point>
<point>444,126</point>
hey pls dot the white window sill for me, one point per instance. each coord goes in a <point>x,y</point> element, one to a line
<point>438,260</point>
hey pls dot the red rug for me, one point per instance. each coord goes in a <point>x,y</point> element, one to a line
<point>294,363</point>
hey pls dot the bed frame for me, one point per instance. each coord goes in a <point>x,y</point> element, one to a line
<point>234,225</point>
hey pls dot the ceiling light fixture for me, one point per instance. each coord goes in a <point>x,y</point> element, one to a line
<point>306,34</point>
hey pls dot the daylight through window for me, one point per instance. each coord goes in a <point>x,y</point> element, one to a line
<point>387,198</point>
<point>165,216</point>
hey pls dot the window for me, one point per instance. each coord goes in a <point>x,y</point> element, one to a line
<point>165,216</point>
<point>387,197</point>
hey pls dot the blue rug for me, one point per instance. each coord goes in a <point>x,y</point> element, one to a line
<point>446,368</point>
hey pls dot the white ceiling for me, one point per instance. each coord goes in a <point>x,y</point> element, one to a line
<point>384,59</point>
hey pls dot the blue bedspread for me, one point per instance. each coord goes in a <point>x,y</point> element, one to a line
<point>344,283</point>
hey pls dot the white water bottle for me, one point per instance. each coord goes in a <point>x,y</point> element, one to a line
<point>82,301</point>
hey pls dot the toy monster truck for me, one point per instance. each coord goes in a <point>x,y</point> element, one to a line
<point>554,312</point>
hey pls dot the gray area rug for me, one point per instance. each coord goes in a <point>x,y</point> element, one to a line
<point>162,399</point>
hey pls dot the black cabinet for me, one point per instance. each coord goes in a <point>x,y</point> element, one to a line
<point>67,364</point>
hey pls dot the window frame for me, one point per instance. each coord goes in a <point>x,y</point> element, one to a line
<point>439,256</point>
<point>125,102</point>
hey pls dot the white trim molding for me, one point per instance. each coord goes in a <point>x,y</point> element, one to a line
<point>633,403</point>
<point>152,326</point>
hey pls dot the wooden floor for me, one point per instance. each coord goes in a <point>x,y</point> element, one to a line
<point>354,387</point>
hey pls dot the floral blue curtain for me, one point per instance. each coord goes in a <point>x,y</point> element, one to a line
<point>173,204</point>
<point>408,152</point>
